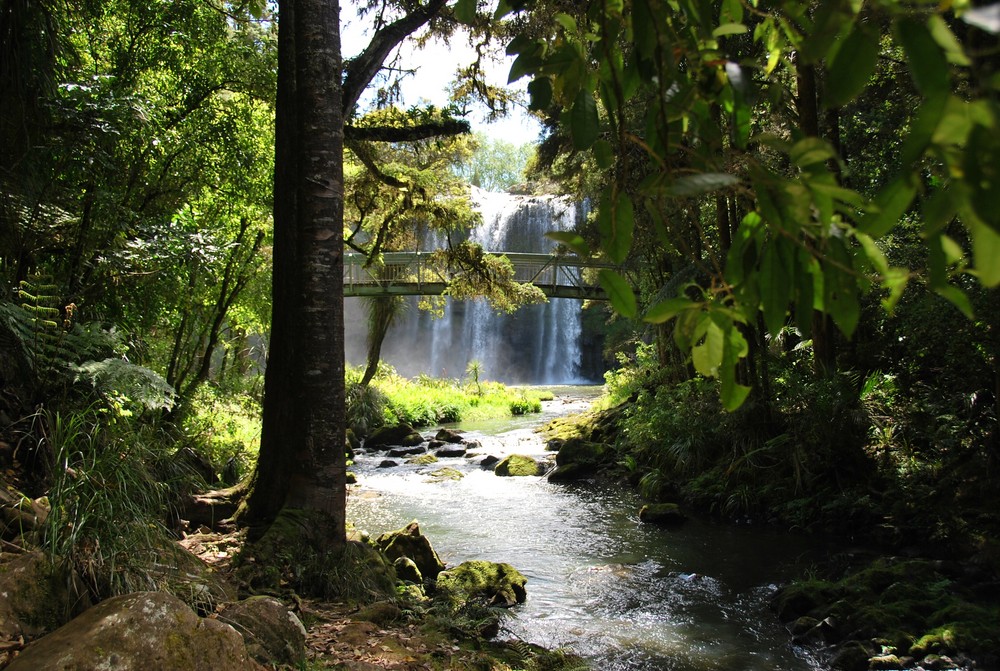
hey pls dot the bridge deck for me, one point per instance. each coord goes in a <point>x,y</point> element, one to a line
<point>412,274</point>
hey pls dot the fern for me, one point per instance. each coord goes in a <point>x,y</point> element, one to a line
<point>125,383</point>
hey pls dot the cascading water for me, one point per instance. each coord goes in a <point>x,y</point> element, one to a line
<point>538,344</point>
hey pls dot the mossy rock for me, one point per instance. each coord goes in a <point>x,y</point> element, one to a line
<point>423,459</point>
<point>569,473</point>
<point>518,465</point>
<point>801,598</point>
<point>446,473</point>
<point>449,436</point>
<point>144,630</point>
<point>662,514</point>
<point>380,613</point>
<point>407,570</point>
<point>496,584</point>
<point>410,543</point>
<point>35,597</point>
<point>581,452</point>
<point>390,435</point>
<point>272,633</point>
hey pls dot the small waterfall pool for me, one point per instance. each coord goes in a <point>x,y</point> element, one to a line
<point>625,595</point>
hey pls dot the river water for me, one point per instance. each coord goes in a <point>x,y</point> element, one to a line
<point>625,595</point>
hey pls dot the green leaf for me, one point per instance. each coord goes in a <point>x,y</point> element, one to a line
<point>810,151</point>
<point>729,29</point>
<point>840,289</point>
<point>731,11</point>
<point>852,66</point>
<point>704,182</point>
<point>892,203</point>
<point>572,240</point>
<point>540,92</point>
<point>644,28</point>
<point>735,348</point>
<point>946,39</point>
<point>619,293</point>
<point>584,123</point>
<point>707,354</point>
<point>567,22</point>
<point>985,251</point>
<point>666,310</point>
<point>465,11</point>
<point>982,171</point>
<point>526,63</point>
<point>775,285</point>
<point>603,154</point>
<point>617,231</point>
<point>895,280</point>
<point>922,130</point>
<point>928,66</point>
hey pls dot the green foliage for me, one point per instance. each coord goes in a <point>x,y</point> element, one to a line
<point>106,502</point>
<point>673,118</point>
<point>495,164</point>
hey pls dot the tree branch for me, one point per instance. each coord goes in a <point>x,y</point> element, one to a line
<point>421,131</point>
<point>359,73</point>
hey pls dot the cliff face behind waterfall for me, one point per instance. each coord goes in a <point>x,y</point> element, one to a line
<point>538,344</point>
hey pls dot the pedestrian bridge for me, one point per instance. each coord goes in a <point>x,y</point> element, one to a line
<point>415,274</point>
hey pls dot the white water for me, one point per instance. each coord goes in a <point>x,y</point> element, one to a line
<point>538,344</point>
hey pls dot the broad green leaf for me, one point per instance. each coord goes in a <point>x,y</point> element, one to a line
<point>584,123</point>
<point>775,285</point>
<point>707,354</point>
<point>666,310</point>
<point>892,203</point>
<point>603,154</point>
<point>928,66</point>
<point>852,66</point>
<point>982,171</point>
<point>946,39</point>
<point>540,92</point>
<point>526,63</point>
<point>619,293</point>
<point>704,182</point>
<point>617,238</point>
<point>956,297</point>
<point>614,7</point>
<point>810,151</point>
<point>643,29</point>
<point>985,251</point>
<point>895,280</point>
<point>742,251</point>
<point>465,11</point>
<point>729,29</point>
<point>875,256</point>
<point>840,289</point>
<point>567,22</point>
<point>735,348</point>
<point>927,120</point>
<point>731,11</point>
<point>572,240</point>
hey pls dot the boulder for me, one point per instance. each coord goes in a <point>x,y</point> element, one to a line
<point>390,435</point>
<point>422,460</point>
<point>494,583</point>
<point>663,514</point>
<point>518,465</point>
<point>582,452</point>
<point>147,631</point>
<point>449,436</point>
<point>410,543</point>
<point>353,442</point>
<point>446,474</point>
<point>451,451</point>
<point>388,463</point>
<point>489,461</point>
<point>34,597</point>
<point>272,634</point>
<point>569,473</point>
<point>405,451</point>
<point>407,571</point>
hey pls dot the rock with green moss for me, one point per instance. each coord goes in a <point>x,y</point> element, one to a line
<point>34,597</point>
<point>407,570</point>
<point>423,459</point>
<point>662,514</point>
<point>516,465</point>
<point>272,633</point>
<point>144,630</point>
<point>446,473</point>
<point>495,584</point>
<point>410,543</point>
<point>400,434</point>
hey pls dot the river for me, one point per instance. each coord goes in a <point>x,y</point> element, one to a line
<point>624,595</point>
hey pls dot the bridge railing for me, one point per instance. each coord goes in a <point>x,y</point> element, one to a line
<point>413,273</point>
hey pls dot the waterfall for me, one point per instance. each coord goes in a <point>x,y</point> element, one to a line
<point>538,344</point>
